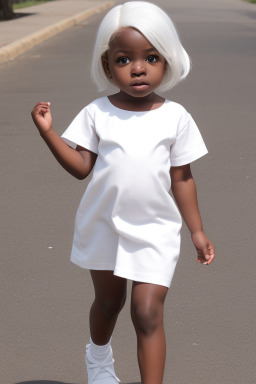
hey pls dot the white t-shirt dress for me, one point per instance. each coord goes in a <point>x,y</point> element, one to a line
<point>127,221</point>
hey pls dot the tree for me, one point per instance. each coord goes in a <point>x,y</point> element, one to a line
<point>6,11</point>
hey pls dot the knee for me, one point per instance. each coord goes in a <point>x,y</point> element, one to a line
<point>146,319</point>
<point>110,307</point>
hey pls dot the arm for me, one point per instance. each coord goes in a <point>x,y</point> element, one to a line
<point>184,192</point>
<point>78,162</point>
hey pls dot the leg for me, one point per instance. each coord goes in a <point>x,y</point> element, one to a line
<point>147,307</point>
<point>110,296</point>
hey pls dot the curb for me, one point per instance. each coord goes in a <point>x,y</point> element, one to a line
<point>11,51</point>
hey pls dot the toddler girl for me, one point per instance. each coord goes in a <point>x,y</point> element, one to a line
<point>141,146</point>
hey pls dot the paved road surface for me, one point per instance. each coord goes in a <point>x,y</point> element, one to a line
<point>210,312</point>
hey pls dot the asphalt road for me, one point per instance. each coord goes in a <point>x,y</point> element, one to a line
<point>210,312</point>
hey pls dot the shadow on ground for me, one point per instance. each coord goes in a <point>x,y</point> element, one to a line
<point>52,382</point>
<point>16,15</point>
<point>43,382</point>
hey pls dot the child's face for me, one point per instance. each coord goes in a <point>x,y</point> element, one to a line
<point>133,64</point>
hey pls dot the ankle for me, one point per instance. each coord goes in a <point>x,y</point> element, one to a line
<point>100,364</point>
<point>99,352</point>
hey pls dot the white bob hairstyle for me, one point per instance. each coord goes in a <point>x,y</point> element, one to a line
<point>158,29</point>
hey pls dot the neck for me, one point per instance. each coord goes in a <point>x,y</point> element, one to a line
<point>124,101</point>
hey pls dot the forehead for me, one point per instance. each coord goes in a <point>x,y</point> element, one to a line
<point>129,39</point>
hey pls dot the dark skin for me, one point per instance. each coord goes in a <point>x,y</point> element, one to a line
<point>136,68</point>
<point>78,162</point>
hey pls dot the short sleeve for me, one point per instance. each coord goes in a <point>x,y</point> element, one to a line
<point>82,132</point>
<point>188,145</point>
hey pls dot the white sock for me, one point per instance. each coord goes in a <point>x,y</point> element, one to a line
<point>99,352</point>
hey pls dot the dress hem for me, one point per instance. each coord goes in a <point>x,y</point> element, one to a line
<point>129,275</point>
<point>144,278</point>
<point>85,265</point>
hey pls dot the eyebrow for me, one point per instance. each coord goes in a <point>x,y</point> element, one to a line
<point>125,51</point>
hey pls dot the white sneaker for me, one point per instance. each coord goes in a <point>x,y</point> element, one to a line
<point>100,372</point>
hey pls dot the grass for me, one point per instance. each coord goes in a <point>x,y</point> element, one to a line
<point>26,4</point>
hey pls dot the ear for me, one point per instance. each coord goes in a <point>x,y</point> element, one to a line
<point>105,65</point>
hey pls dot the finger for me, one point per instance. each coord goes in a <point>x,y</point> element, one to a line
<point>209,255</point>
<point>200,257</point>
<point>41,106</point>
<point>203,256</point>
<point>43,103</point>
<point>201,260</point>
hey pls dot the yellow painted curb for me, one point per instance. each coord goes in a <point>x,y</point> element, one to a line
<point>10,51</point>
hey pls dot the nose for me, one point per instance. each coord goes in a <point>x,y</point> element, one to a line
<point>138,68</point>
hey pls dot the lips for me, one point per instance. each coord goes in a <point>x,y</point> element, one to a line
<point>139,86</point>
<point>138,83</point>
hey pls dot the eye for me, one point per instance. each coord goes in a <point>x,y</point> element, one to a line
<point>123,60</point>
<point>152,59</point>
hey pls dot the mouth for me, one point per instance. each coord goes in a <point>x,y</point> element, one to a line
<point>139,85</point>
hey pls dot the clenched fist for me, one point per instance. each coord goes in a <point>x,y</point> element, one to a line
<point>42,117</point>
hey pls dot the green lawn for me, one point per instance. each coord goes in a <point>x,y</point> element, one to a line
<point>26,4</point>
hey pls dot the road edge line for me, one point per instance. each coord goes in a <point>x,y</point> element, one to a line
<point>17,48</point>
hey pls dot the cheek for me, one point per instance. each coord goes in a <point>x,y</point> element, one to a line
<point>119,75</point>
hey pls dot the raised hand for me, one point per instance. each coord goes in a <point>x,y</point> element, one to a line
<point>42,117</point>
